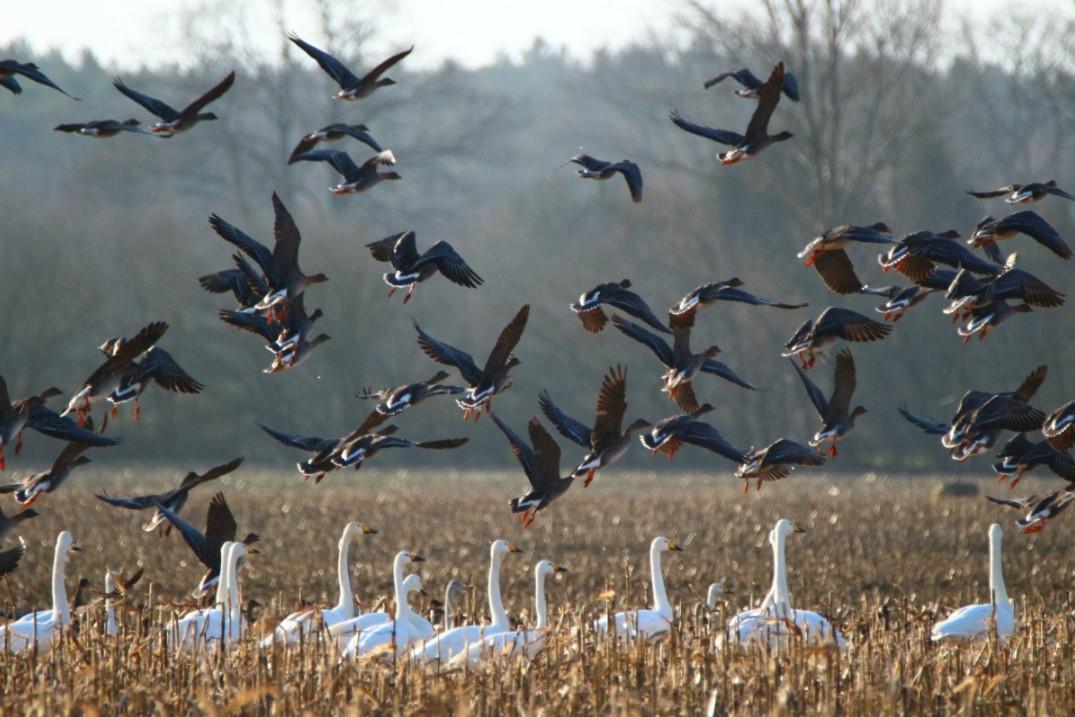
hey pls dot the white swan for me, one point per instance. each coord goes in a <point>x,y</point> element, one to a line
<point>974,622</point>
<point>395,636</point>
<point>442,648</point>
<point>343,631</point>
<point>43,627</point>
<point>776,621</point>
<point>111,628</point>
<point>223,621</point>
<point>453,594</point>
<point>304,622</point>
<point>516,642</point>
<point>646,624</point>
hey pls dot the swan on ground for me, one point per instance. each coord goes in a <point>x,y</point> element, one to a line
<point>304,622</point>
<point>516,642</point>
<point>975,622</point>
<point>224,621</point>
<point>398,634</point>
<point>646,624</point>
<point>453,596</point>
<point>111,628</point>
<point>776,621</point>
<point>343,631</point>
<point>43,627</point>
<point>442,648</point>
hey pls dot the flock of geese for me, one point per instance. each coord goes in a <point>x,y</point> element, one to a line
<point>270,292</point>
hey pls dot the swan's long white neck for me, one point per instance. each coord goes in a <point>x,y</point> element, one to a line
<point>60,608</point>
<point>539,599</point>
<point>496,604</point>
<point>449,621</point>
<point>221,579</point>
<point>343,570</point>
<point>998,591</point>
<point>778,593</point>
<point>401,595</point>
<point>234,604</point>
<point>660,595</point>
<point>110,606</point>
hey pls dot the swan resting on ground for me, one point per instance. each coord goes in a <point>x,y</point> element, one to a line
<point>305,622</point>
<point>396,636</point>
<point>43,627</point>
<point>645,624</point>
<point>975,622</point>
<point>508,644</point>
<point>442,648</point>
<point>776,622</point>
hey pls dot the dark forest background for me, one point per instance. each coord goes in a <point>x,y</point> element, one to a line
<point>897,119</point>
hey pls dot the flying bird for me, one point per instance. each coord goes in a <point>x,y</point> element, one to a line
<point>393,401</point>
<point>33,486</point>
<point>618,296</point>
<point>356,179</point>
<point>411,268</point>
<point>752,83</point>
<point>351,86</point>
<point>606,441</point>
<point>682,312</point>
<point>484,383</point>
<point>1039,511</point>
<point>593,168</point>
<point>541,463</point>
<point>331,133</point>
<point>10,68</point>
<point>103,129</point>
<point>990,230</point>
<point>816,335</point>
<point>837,416</point>
<point>757,137</point>
<point>682,365</point>
<point>173,500</point>
<point>827,254</point>
<point>173,121</point>
<point>1024,193</point>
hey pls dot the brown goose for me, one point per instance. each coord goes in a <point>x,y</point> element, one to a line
<point>393,401</point>
<point>102,129</point>
<point>836,415</point>
<point>173,500</point>
<point>541,464</point>
<point>352,87</point>
<point>31,412</point>
<point>1024,193</point>
<point>356,179</point>
<point>827,254</point>
<point>617,295</point>
<point>10,68</point>
<point>916,256</point>
<point>682,312</point>
<point>331,133</point>
<point>593,168</point>
<point>120,364</point>
<point>816,335</point>
<point>173,121</point>
<point>1059,427</point>
<point>681,364</point>
<point>990,230</point>
<point>286,279</point>
<point>412,268</point>
<point>606,441</point>
<point>775,461</point>
<point>1039,511</point>
<point>751,84</point>
<point>1020,455</point>
<point>33,486</point>
<point>757,136</point>
<point>487,382</point>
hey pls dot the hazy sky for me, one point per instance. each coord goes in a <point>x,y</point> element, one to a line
<point>473,32</point>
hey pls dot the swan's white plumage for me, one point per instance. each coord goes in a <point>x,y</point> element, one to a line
<point>776,621</point>
<point>398,634</point>
<point>645,624</point>
<point>43,627</point>
<point>511,643</point>
<point>295,626</point>
<point>975,622</point>
<point>442,648</point>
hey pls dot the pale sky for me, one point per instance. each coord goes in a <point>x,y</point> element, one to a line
<point>128,33</point>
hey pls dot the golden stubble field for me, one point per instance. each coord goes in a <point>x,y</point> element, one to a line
<point>883,559</point>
